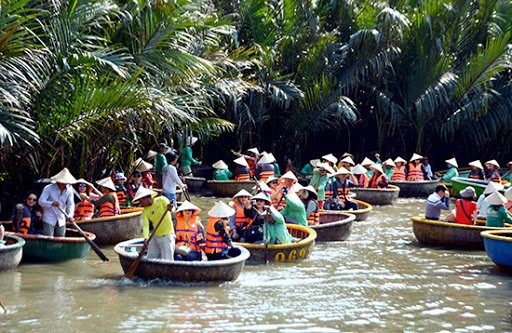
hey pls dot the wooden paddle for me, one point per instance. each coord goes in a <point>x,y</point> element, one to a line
<point>129,273</point>
<point>265,256</point>
<point>81,232</point>
<point>187,195</point>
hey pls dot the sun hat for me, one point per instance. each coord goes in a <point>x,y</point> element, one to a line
<point>359,169</point>
<point>221,210</point>
<point>326,167</point>
<point>143,192</point>
<point>144,166</point>
<point>83,181</point>
<point>367,161</point>
<point>254,151</point>
<point>261,196</point>
<point>296,187</point>
<point>400,160</point>
<point>273,211</point>
<point>64,177</point>
<point>476,164</point>
<point>415,157</point>
<point>341,171</point>
<point>330,157</point>
<point>262,186</point>
<point>107,182</point>
<point>311,190</point>
<point>151,153</point>
<point>377,166</point>
<point>191,140</point>
<point>508,193</point>
<point>187,205</point>
<point>348,160</point>
<point>389,162</point>
<point>119,176</point>
<point>453,162</point>
<point>493,162</point>
<point>220,165</point>
<point>315,162</point>
<point>241,161</point>
<point>242,193</point>
<point>496,198</point>
<point>468,192</point>
<point>271,179</point>
<point>493,187</point>
<point>289,175</point>
<point>266,159</point>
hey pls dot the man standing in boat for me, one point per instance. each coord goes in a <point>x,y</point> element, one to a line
<point>58,194</point>
<point>170,178</point>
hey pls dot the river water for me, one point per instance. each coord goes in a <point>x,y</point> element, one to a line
<point>381,279</point>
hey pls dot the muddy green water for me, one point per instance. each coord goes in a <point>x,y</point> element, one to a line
<point>379,280</point>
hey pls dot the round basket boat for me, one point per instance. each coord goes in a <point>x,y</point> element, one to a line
<point>114,229</point>
<point>420,188</point>
<point>460,183</point>
<point>285,252</point>
<point>334,226</point>
<point>195,184</point>
<point>449,234</point>
<point>228,188</point>
<point>361,214</point>
<point>11,253</point>
<point>46,248</point>
<point>126,210</point>
<point>184,271</point>
<point>377,196</point>
<point>498,245</point>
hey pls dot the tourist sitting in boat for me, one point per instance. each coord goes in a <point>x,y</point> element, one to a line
<point>366,163</point>
<point>160,162</point>
<point>360,176</point>
<point>399,172</point>
<point>189,233</point>
<point>218,242</point>
<point>309,197</point>
<point>242,170</point>
<point>493,171</point>
<point>170,178</point>
<point>466,209</point>
<point>426,168</point>
<point>331,160</point>
<point>346,161</point>
<point>497,215</point>
<point>477,170</point>
<point>58,194</point>
<point>108,204</point>
<point>252,158</point>
<point>253,210</point>
<point>277,231</point>
<point>288,179</point>
<point>261,186</point>
<point>239,222</point>
<point>275,193</point>
<point>28,216</point>
<point>134,184</point>
<point>221,171</point>
<point>452,166</point>
<point>307,169</point>
<point>186,158</point>
<point>388,167</point>
<point>163,243</point>
<point>437,201</point>
<point>145,168</point>
<point>508,175</point>
<point>121,191</point>
<point>294,212</point>
<point>481,203</point>
<point>84,210</point>
<point>414,172</point>
<point>379,179</point>
<point>319,180</point>
<point>341,187</point>
<point>265,168</point>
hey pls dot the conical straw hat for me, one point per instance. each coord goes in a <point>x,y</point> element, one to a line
<point>270,179</point>
<point>64,177</point>
<point>241,161</point>
<point>266,159</point>
<point>399,159</point>
<point>272,157</point>
<point>330,157</point>
<point>296,187</point>
<point>254,151</point>
<point>348,160</point>
<point>83,181</point>
<point>289,175</point>
<point>191,140</point>
<point>389,162</point>
<point>342,171</point>
<point>493,162</point>
<point>221,210</point>
<point>151,153</point>
<point>143,192</point>
<point>187,205</point>
<point>315,163</point>
<point>264,187</point>
<point>453,162</point>
<point>144,166</point>
<point>367,161</point>
<point>508,193</point>
<point>359,169</point>
<point>415,157</point>
<point>107,182</point>
<point>311,189</point>
<point>242,193</point>
<point>220,165</point>
<point>496,198</point>
<point>377,167</point>
<point>493,187</point>
<point>326,167</point>
<point>261,196</point>
<point>476,164</point>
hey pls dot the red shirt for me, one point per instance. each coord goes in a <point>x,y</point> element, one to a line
<point>464,211</point>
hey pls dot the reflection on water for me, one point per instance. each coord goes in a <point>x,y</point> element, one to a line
<point>381,279</point>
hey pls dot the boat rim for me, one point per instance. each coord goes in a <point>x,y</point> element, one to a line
<point>211,181</point>
<point>350,218</point>
<point>419,182</point>
<point>390,188</point>
<point>80,239</point>
<point>311,237</point>
<point>424,220</point>
<point>20,242</point>
<point>111,218</point>
<point>496,235</point>
<point>368,208</point>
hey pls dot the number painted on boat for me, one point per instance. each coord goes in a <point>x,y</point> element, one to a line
<point>280,256</point>
<point>292,256</point>
<point>302,253</point>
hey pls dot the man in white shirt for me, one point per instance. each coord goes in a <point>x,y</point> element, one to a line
<point>170,178</point>
<point>55,195</point>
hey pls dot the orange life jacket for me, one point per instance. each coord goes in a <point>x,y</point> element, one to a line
<point>398,173</point>
<point>264,175</point>
<point>252,166</point>
<point>363,180</point>
<point>188,234</point>
<point>108,209</point>
<point>278,197</point>
<point>121,196</point>
<point>314,217</point>
<point>243,177</point>
<point>344,193</point>
<point>84,211</point>
<point>240,220</point>
<point>415,172</point>
<point>214,241</point>
<point>374,181</point>
<point>474,176</point>
<point>25,225</point>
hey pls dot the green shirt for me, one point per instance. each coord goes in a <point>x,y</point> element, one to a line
<point>318,182</point>
<point>153,214</point>
<point>277,171</point>
<point>277,230</point>
<point>389,172</point>
<point>497,218</point>
<point>507,176</point>
<point>160,162</point>
<point>186,158</point>
<point>295,210</point>
<point>452,172</point>
<point>369,173</point>
<point>307,170</point>
<point>222,174</point>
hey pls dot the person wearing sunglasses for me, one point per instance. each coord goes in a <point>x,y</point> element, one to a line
<point>135,183</point>
<point>27,217</point>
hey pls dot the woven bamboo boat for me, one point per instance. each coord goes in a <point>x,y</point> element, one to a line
<point>228,188</point>
<point>449,234</point>
<point>460,183</point>
<point>334,226</point>
<point>361,214</point>
<point>114,229</point>
<point>40,248</point>
<point>498,245</point>
<point>285,252</point>
<point>184,271</point>
<point>11,253</point>
<point>195,184</point>
<point>421,188</point>
<point>376,196</point>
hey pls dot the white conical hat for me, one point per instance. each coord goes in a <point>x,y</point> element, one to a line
<point>144,166</point>
<point>377,166</point>
<point>272,157</point>
<point>254,151</point>
<point>241,161</point>
<point>64,177</point>
<point>137,162</point>
<point>296,187</point>
<point>289,175</point>
<point>326,167</point>
<point>342,171</point>
<point>242,193</point>
<point>266,159</point>
<point>493,187</point>
<point>359,169</point>
<point>263,186</point>
<point>389,162</point>
<point>476,164</point>
<point>143,192</point>
<point>270,179</point>
<point>151,153</point>
<point>310,189</point>
<point>508,193</point>
<point>367,161</point>
<point>348,160</point>
<point>315,162</point>
<point>191,140</point>
<point>107,182</point>
<point>496,198</point>
<point>220,165</point>
<point>453,162</point>
<point>261,196</point>
<point>493,162</point>
<point>415,157</point>
<point>187,205</point>
<point>330,157</point>
<point>221,210</point>
<point>169,150</point>
<point>399,159</point>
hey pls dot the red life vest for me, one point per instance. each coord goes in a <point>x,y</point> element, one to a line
<point>214,241</point>
<point>252,166</point>
<point>243,177</point>
<point>264,175</point>
<point>363,180</point>
<point>314,217</point>
<point>84,211</point>
<point>121,196</point>
<point>108,209</point>
<point>415,172</point>
<point>344,194</point>
<point>398,173</point>
<point>464,211</point>
<point>187,234</point>
<point>277,200</point>
<point>240,220</point>
<point>25,225</point>
<point>374,181</point>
